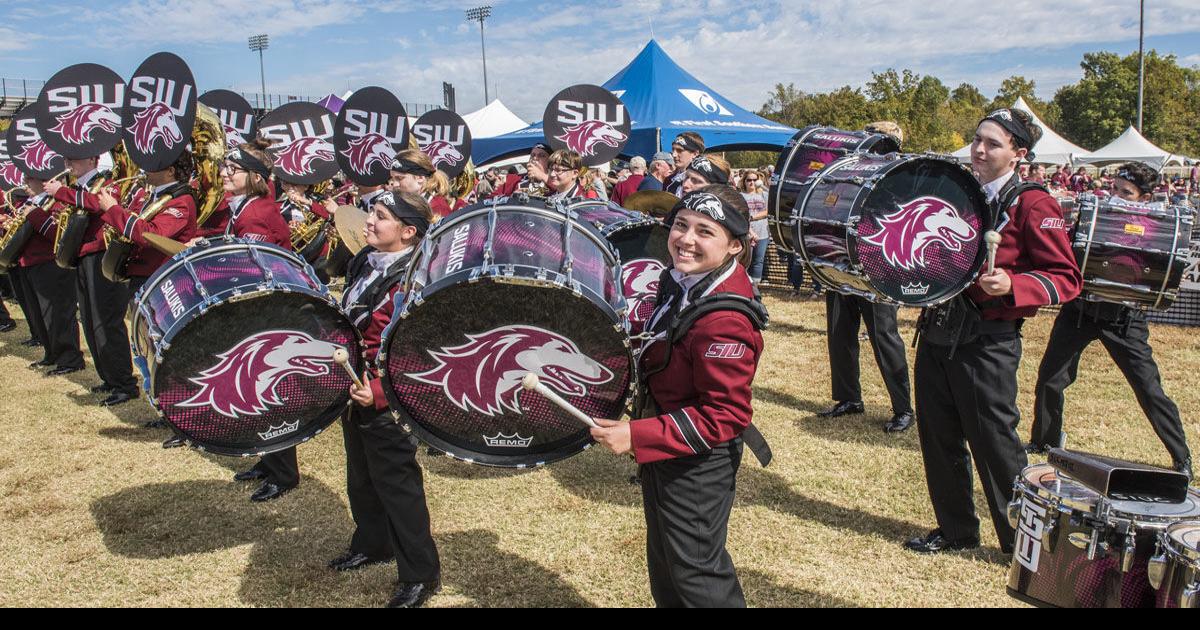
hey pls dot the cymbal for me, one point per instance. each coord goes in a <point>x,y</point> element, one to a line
<point>352,227</point>
<point>163,244</point>
<point>655,203</point>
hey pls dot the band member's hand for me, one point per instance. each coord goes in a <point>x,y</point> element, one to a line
<point>331,206</point>
<point>51,187</point>
<point>299,199</point>
<point>996,284</point>
<point>614,436</point>
<point>106,200</point>
<point>363,395</point>
<point>295,224</point>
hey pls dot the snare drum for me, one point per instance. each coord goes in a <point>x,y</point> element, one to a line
<point>895,229</point>
<point>1076,549</point>
<point>1131,253</point>
<point>235,342</point>
<point>809,151</point>
<point>497,291</point>
<point>1175,569</point>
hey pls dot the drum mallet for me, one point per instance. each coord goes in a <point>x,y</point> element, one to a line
<point>992,238</point>
<point>341,357</point>
<point>532,383</point>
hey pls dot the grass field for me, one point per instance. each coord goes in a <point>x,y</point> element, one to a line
<point>95,513</point>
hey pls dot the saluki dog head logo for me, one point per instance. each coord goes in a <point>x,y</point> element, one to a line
<point>906,234</point>
<point>640,279</point>
<point>11,174</point>
<point>154,123</point>
<point>484,375</point>
<point>586,136</point>
<point>37,155</point>
<point>296,158</point>
<point>442,152</point>
<point>245,380</point>
<point>367,150</point>
<point>77,125</point>
<point>707,204</point>
<point>233,137</point>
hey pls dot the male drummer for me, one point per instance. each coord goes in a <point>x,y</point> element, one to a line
<point>1125,335</point>
<point>843,313</point>
<point>686,147</point>
<point>970,348</point>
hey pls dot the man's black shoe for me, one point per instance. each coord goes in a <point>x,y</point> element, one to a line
<point>843,409</point>
<point>8,326</point>
<point>269,491</point>
<point>1185,467</point>
<point>936,542</point>
<point>40,365</point>
<point>63,371</point>
<point>31,343</point>
<point>118,398</point>
<point>175,441</point>
<point>253,474</point>
<point>413,594</point>
<point>103,388</point>
<point>899,423</point>
<point>353,560</point>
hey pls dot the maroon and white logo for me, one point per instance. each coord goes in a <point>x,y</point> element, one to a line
<point>11,175</point>
<point>152,124</point>
<point>37,155</point>
<point>586,137</point>
<point>296,159</point>
<point>640,280</point>
<point>442,152</point>
<point>77,125</point>
<point>370,149</point>
<point>484,375</point>
<point>233,137</point>
<point>905,235</point>
<point>725,351</point>
<point>245,381</point>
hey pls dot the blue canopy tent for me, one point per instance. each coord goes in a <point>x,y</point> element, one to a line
<point>664,100</point>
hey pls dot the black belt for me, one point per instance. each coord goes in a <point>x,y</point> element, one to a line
<point>1000,326</point>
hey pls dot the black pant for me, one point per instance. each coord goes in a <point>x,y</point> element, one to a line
<point>387,495</point>
<point>970,399</point>
<point>687,503</point>
<point>18,292</point>
<point>102,308</point>
<point>5,318</point>
<point>51,288</point>
<point>1128,343</point>
<point>843,313</point>
<point>281,468</point>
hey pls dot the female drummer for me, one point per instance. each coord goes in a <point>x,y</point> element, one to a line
<point>383,480</point>
<point>564,170</point>
<point>411,169</point>
<point>705,170</point>
<point>441,199</point>
<point>689,444</point>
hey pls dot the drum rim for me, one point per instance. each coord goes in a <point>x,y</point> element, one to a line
<point>1038,491</point>
<point>630,222</point>
<point>1171,544</point>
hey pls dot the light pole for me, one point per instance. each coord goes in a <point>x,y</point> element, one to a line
<point>1141,61</point>
<point>479,14</point>
<point>259,43</point>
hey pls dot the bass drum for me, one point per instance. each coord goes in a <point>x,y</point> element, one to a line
<point>809,151</point>
<point>498,291</point>
<point>641,243</point>
<point>895,229</point>
<point>1131,253</point>
<point>235,342</point>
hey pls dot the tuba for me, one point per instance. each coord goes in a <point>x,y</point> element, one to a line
<point>308,238</point>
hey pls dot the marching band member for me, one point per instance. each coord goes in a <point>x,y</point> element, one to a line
<point>704,170</point>
<point>686,147</point>
<point>441,199</point>
<point>969,350</point>
<point>1125,336</point>
<point>410,170</point>
<point>536,177</point>
<point>565,168</point>
<point>102,302</point>
<point>383,479</point>
<point>11,279</point>
<point>689,446</point>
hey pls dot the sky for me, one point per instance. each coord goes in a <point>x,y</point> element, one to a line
<point>534,49</point>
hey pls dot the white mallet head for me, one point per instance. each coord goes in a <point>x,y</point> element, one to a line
<point>530,382</point>
<point>341,356</point>
<point>992,237</point>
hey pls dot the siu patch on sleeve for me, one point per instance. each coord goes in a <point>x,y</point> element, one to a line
<point>726,351</point>
<point>1052,223</point>
<point>174,212</point>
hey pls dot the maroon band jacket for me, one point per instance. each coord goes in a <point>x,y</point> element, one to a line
<point>176,220</point>
<point>260,220</point>
<point>40,249</point>
<point>93,240</point>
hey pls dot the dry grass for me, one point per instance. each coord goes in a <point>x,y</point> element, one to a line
<point>95,513</point>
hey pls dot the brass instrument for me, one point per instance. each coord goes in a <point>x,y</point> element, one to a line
<point>17,232</point>
<point>463,186</point>
<point>73,224</point>
<point>309,238</point>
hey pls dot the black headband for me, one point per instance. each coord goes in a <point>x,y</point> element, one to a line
<point>1013,125</point>
<point>709,171</point>
<point>401,165</point>
<point>543,146</point>
<point>712,207</point>
<point>688,144</point>
<point>248,162</point>
<point>404,211</point>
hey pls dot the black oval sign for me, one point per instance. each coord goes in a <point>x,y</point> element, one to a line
<point>10,176</point>
<point>301,137</point>
<point>371,128</point>
<point>588,120</point>
<point>160,110</point>
<point>444,136</point>
<point>79,113</point>
<point>235,113</point>
<point>28,151</point>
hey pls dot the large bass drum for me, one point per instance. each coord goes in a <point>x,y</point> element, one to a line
<point>235,342</point>
<point>495,292</point>
<point>1131,253</point>
<point>805,155</point>
<point>895,229</point>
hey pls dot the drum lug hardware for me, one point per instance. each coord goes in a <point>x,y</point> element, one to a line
<point>1014,507</point>
<point>1128,551</point>
<point>1191,596</point>
<point>1157,568</point>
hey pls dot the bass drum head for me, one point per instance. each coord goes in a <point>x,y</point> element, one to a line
<point>455,362</point>
<point>920,231</point>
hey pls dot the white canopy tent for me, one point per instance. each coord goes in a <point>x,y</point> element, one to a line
<point>1051,149</point>
<point>493,120</point>
<point>1132,146</point>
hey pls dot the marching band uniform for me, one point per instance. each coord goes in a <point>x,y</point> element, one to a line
<point>843,313</point>
<point>176,221</point>
<point>52,290</point>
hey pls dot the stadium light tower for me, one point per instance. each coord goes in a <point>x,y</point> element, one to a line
<point>479,14</point>
<point>1141,60</point>
<point>258,43</point>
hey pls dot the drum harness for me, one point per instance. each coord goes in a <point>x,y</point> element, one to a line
<point>676,327</point>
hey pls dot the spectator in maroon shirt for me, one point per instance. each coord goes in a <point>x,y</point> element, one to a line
<point>637,173</point>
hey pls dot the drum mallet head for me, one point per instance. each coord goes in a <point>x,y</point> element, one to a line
<point>992,238</point>
<point>532,383</point>
<point>342,358</point>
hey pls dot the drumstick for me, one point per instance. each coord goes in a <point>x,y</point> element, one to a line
<point>532,383</point>
<point>341,357</point>
<point>992,238</point>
